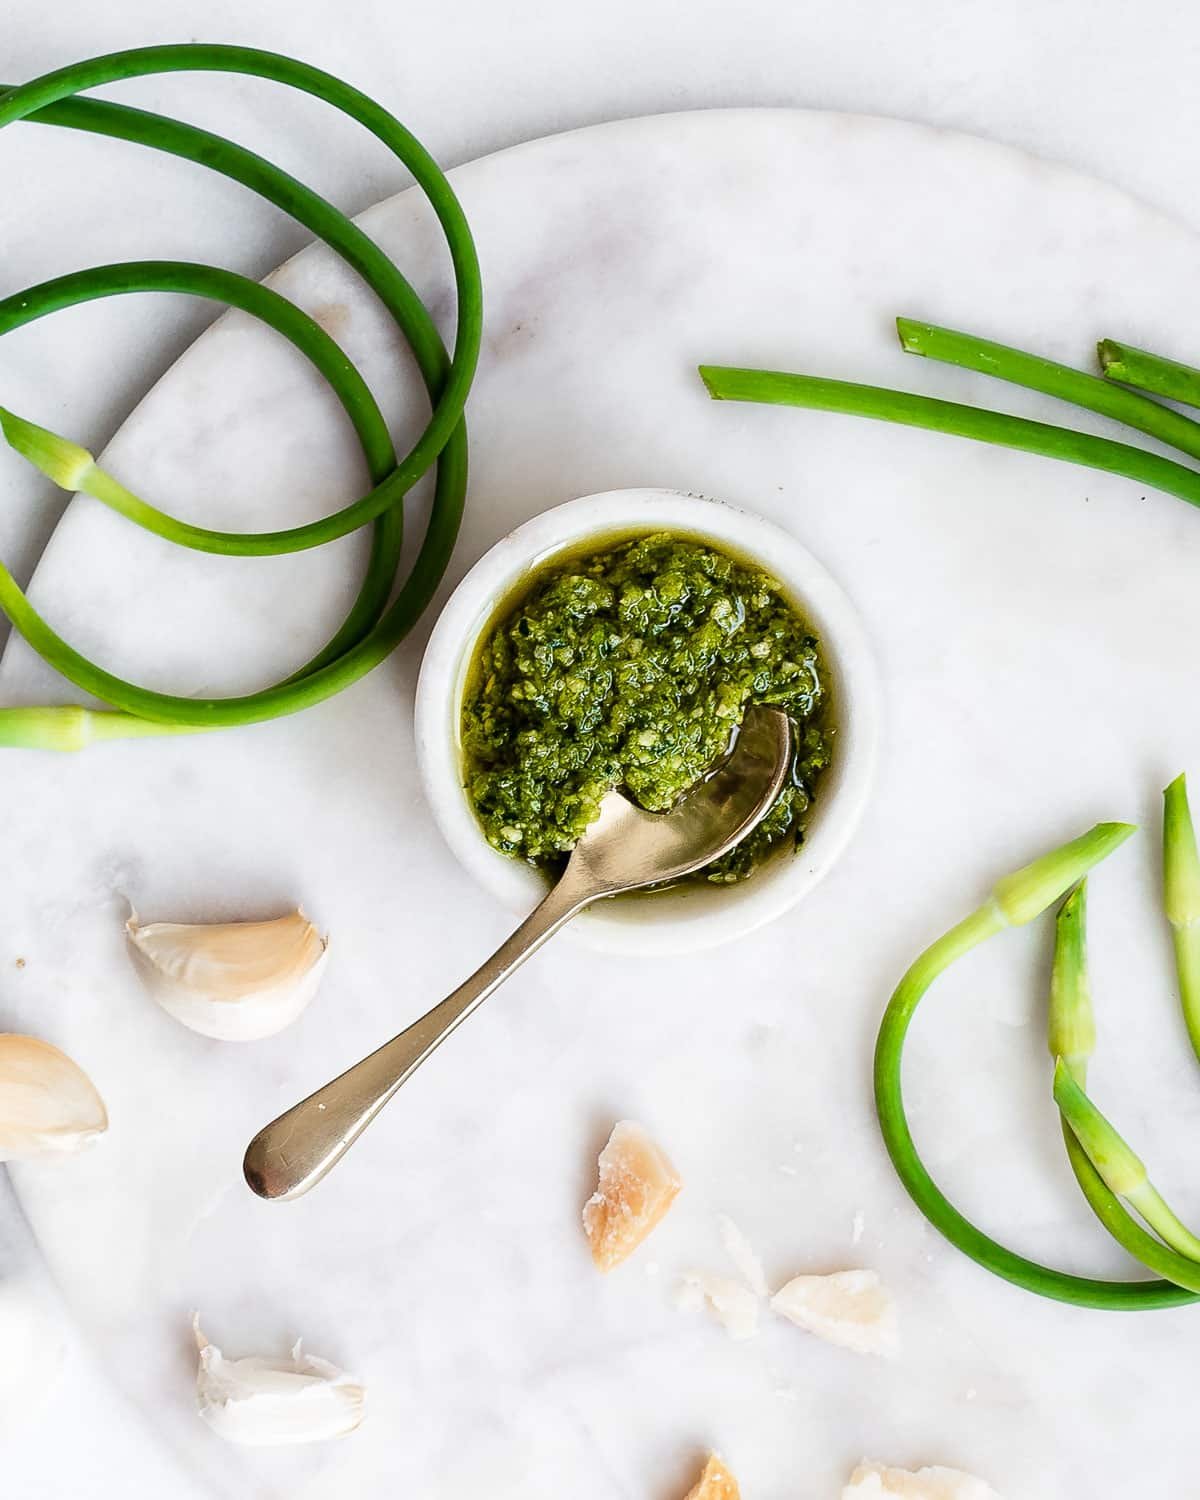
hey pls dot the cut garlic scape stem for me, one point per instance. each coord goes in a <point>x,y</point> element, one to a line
<point>1071,1021</point>
<point>48,1104</point>
<point>236,981</point>
<point>1123,1171</point>
<point>264,1403</point>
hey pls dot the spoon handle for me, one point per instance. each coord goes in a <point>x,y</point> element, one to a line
<point>293,1152</point>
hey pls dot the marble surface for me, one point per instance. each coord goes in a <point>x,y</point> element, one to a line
<point>443,1261</point>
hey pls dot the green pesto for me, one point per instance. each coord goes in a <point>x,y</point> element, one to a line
<point>631,666</point>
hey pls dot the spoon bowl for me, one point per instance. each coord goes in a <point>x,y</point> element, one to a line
<point>625,848</point>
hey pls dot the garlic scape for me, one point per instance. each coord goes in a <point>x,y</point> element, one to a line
<point>48,1104</point>
<point>262,1402</point>
<point>236,981</point>
<point>1181,891</point>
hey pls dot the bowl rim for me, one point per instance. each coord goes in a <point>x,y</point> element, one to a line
<point>689,918</point>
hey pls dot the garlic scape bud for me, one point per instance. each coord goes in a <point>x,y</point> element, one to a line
<point>1181,892</point>
<point>58,458</point>
<point>263,1403</point>
<point>48,1104</point>
<point>1071,1028</point>
<point>1123,1171</point>
<point>1027,892</point>
<point>66,726</point>
<point>236,981</point>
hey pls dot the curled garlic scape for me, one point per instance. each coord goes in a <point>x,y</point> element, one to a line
<point>235,981</point>
<point>264,1403</point>
<point>48,1104</point>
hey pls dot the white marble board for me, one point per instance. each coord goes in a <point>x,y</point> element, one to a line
<point>1036,627</point>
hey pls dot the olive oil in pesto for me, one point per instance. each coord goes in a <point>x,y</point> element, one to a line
<point>631,666</point>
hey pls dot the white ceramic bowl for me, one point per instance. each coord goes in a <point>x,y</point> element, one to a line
<point>695,915</point>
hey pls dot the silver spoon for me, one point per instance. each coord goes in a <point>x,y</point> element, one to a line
<point>624,849</point>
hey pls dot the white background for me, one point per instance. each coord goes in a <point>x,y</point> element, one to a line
<point>1101,85</point>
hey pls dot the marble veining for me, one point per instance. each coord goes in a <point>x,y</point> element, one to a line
<point>1036,627</point>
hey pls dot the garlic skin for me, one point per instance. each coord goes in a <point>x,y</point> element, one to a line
<point>266,1403</point>
<point>48,1104</point>
<point>234,981</point>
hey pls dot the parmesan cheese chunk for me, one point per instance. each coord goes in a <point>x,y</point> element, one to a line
<point>734,1306</point>
<point>872,1481</point>
<point>716,1483</point>
<point>637,1185</point>
<point>850,1308</point>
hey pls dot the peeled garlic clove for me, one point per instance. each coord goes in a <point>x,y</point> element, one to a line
<point>716,1483</point>
<point>48,1104</point>
<point>269,1402</point>
<point>637,1185</point>
<point>734,1306</point>
<point>850,1308</point>
<point>871,1481</point>
<point>235,981</point>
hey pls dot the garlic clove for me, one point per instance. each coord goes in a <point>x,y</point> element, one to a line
<point>48,1104</point>
<point>734,1306</point>
<point>716,1483</point>
<point>235,981</point>
<point>637,1185</point>
<point>872,1481</point>
<point>266,1403</point>
<point>850,1308</point>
